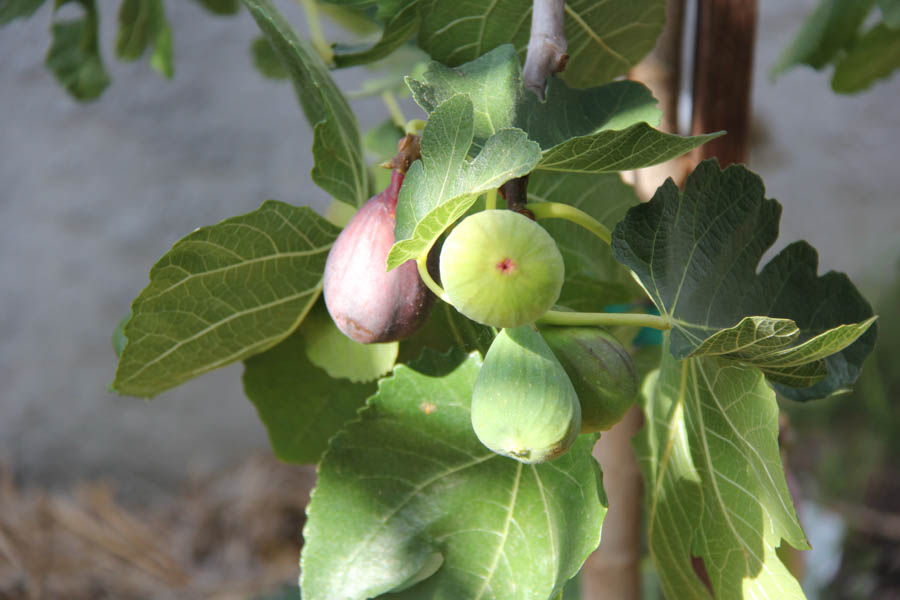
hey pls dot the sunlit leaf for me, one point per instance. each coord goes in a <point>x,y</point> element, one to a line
<point>408,493</point>
<point>224,293</point>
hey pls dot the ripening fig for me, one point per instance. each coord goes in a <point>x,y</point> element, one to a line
<point>523,404</point>
<point>368,303</point>
<point>601,371</point>
<point>501,268</point>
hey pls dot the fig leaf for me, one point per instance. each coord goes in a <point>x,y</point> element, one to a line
<point>399,481</point>
<point>696,253</point>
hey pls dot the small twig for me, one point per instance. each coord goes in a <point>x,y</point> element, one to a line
<point>546,46</point>
<point>515,192</point>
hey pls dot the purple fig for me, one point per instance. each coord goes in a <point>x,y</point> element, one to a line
<point>368,303</point>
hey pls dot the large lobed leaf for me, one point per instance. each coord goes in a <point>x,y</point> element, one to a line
<point>441,187</point>
<point>715,485</point>
<point>696,253</point>
<point>605,39</point>
<point>224,293</point>
<point>597,130</point>
<point>407,497</point>
<point>337,149</point>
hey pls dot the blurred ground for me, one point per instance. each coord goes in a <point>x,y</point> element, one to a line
<point>93,194</point>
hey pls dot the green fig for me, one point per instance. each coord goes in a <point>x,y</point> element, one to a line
<point>600,370</point>
<point>501,268</point>
<point>523,404</point>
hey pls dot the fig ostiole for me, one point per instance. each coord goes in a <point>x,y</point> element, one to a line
<point>601,371</point>
<point>523,404</point>
<point>368,303</point>
<point>500,268</point>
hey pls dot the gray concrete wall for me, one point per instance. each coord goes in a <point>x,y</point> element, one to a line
<point>91,195</point>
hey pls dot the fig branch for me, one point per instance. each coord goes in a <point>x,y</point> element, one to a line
<point>546,46</point>
<point>556,210</point>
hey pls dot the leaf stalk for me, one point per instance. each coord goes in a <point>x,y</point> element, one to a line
<point>557,210</point>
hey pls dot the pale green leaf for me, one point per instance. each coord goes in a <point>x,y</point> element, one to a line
<point>493,82</point>
<point>875,56</point>
<point>890,12</point>
<point>697,253</point>
<point>339,356</point>
<point>224,293</point>
<point>715,485</point>
<point>440,187</point>
<point>265,60</point>
<point>12,9</point>
<point>594,279</point>
<point>300,404</point>
<point>74,56</point>
<point>605,39</point>
<point>339,167</point>
<point>409,487</point>
<point>398,29</point>
<point>830,28</point>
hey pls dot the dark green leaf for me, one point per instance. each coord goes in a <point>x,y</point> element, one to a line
<point>11,9</point>
<point>890,12</point>
<point>339,168</point>
<point>74,56</point>
<point>300,405</point>
<point>828,29</point>
<point>441,187</point>
<point>697,252</point>
<point>408,489</point>
<point>266,61</point>
<point>875,56</point>
<point>444,330</point>
<point>399,28</point>
<point>605,38</point>
<point>221,7</point>
<point>594,279</point>
<point>222,294</point>
<point>715,485</point>
<point>143,23</point>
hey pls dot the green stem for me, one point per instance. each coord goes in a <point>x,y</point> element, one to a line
<point>397,115</point>
<point>422,264</point>
<point>317,37</point>
<point>555,210</point>
<point>576,319</point>
<point>490,201</point>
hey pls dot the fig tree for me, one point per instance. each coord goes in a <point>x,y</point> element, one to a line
<point>523,404</point>
<point>500,268</point>
<point>600,370</point>
<point>368,303</point>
